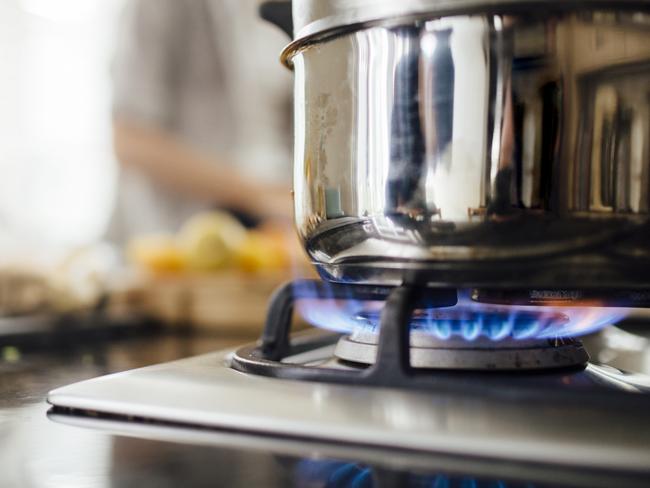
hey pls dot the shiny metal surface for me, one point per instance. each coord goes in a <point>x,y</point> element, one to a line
<point>36,452</point>
<point>319,464</point>
<point>478,149</point>
<point>313,17</point>
<point>470,356</point>
<point>204,392</point>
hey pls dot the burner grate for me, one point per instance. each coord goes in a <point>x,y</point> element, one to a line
<point>391,364</point>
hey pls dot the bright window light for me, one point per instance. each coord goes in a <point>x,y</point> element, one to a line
<point>61,10</point>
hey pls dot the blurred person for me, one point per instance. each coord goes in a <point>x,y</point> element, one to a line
<point>201,114</point>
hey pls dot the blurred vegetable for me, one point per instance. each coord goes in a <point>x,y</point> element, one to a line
<point>23,292</point>
<point>158,253</point>
<point>70,281</point>
<point>82,277</point>
<point>211,240</point>
<point>263,250</point>
<point>214,241</point>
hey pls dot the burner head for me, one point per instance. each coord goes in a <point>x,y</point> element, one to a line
<point>469,340</point>
<point>475,325</point>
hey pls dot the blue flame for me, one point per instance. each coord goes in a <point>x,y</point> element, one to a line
<point>331,474</point>
<point>467,320</point>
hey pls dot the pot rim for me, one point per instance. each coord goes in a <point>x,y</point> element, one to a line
<point>356,15</point>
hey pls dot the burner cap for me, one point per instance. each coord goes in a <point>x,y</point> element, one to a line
<point>428,352</point>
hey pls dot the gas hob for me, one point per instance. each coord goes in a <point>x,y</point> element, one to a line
<point>554,409</point>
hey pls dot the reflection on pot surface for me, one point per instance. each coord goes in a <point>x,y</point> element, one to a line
<point>453,145</point>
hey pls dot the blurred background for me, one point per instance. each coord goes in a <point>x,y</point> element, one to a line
<point>56,148</point>
<point>145,162</point>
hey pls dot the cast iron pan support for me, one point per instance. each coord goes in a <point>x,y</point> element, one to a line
<point>392,367</point>
<point>393,362</point>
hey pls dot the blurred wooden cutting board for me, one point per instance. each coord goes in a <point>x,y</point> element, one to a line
<point>230,302</point>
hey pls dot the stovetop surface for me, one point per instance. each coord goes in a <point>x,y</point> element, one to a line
<point>37,452</point>
<point>203,394</point>
<point>602,386</point>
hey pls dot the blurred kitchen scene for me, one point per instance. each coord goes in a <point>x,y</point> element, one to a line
<point>145,166</point>
<point>470,185</point>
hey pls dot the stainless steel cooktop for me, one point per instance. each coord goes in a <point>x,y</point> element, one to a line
<point>604,424</point>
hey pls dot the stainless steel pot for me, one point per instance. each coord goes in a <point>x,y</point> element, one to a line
<point>474,143</point>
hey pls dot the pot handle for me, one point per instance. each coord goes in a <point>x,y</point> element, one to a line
<point>278,12</point>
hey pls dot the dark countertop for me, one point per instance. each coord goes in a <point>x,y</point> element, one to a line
<point>38,452</point>
<point>35,452</point>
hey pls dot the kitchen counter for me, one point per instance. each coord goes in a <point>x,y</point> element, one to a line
<point>38,452</point>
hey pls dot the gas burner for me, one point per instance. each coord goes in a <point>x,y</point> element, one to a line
<point>413,336</point>
<point>430,353</point>
<point>467,339</point>
<point>560,415</point>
